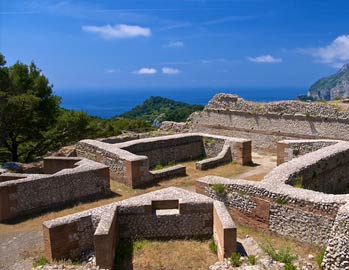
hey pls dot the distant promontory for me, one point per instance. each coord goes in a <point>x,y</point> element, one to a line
<point>335,86</point>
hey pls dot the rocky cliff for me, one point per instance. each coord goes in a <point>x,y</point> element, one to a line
<point>331,87</point>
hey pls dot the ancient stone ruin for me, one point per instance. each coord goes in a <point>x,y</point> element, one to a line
<point>169,213</point>
<point>267,123</point>
<point>133,162</point>
<point>65,180</point>
<point>304,198</point>
<point>300,199</point>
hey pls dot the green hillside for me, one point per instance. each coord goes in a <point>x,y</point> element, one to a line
<point>331,87</point>
<point>162,109</point>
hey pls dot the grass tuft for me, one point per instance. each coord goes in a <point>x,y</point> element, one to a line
<point>320,257</point>
<point>284,255</point>
<point>139,244</point>
<point>212,246</point>
<point>158,167</point>
<point>289,266</point>
<point>40,262</point>
<point>281,201</point>
<point>298,182</point>
<point>252,259</point>
<point>235,259</point>
<point>218,189</point>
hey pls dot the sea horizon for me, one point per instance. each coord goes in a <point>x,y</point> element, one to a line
<point>108,102</point>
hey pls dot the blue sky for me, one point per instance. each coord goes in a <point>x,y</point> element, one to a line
<point>177,43</point>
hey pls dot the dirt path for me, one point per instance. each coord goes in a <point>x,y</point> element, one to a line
<point>264,164</point>
<point>17,249</point>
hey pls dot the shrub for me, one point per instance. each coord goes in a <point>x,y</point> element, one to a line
<point>235,259</point>
<point>252,259</point>
<point>320,257</point>
<point>218,188</point>
<point>40,262</point>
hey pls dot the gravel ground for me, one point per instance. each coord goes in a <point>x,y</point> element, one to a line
<point>16,249</point>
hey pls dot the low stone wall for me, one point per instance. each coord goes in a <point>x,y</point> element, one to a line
<point>305,215</point>
<point>224,231</point>
<point>130,162</point>
<point>167,173</point>
<point>337,251</point>
<point>25,194</point>
<point>56,164</point>
<point>289,149</point>
<point>106,238</point>
<point>223,157</point>
<point>167,150</point>
<point>164,214</point>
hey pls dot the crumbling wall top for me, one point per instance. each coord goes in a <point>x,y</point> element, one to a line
<point>229,102</point>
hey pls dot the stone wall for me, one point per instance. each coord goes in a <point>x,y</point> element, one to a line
<point>289,149</point>
<point>130,162</point>
<point>106,238</point>
<point>256,206</point>
<point>224,231</point>
<point>37,192</point>
<point>337,251</point>
<point>267,123</point>
<point>69,239</point>
<point>167,150</point>
<point>299,213</point>
<point>164,214</point>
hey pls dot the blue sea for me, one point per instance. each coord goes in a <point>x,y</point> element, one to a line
<point>107,103</point>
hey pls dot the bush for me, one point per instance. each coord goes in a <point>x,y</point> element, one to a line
<point>252,259</point>
<point>219,189</point>
<point>235,259</point>
<point>40,262</point>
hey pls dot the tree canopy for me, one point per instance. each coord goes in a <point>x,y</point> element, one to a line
<point>32,122</point>
<point>28,109</point>
<point>162,109</point>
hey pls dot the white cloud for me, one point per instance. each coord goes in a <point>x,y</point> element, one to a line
<point>112,70</point>
<point>146,71</point>
<point>175,44</point>
<point>265,59</point>
<point>335,54</point>
<point>118,31</point>
<point>230,19</point>
<point>170,71</point>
